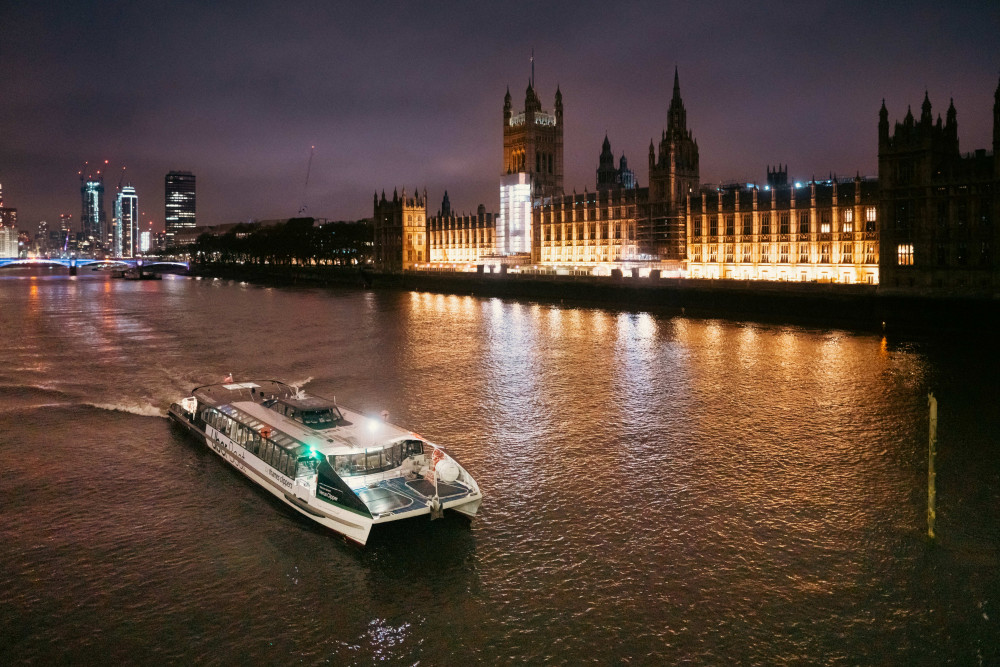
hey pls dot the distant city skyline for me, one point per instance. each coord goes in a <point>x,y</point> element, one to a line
<point>402,95</point>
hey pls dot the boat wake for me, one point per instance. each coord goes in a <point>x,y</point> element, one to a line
<point>142,409</point>
<point>301,383</point>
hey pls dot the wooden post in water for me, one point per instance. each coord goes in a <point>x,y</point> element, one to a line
<point>931,452</point>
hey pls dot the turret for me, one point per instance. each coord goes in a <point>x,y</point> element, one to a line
<point>559,106</point>
<point>925,111</point>
<point>606,173</point>
<point>951,123</point>
<point>506,108</point>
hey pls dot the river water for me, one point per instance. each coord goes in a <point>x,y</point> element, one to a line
<point>658,489</point>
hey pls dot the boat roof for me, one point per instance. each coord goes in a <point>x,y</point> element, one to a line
<point>360,433</point>
<point>307,402</point>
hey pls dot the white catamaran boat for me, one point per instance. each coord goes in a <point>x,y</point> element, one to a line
<point>340,468</point>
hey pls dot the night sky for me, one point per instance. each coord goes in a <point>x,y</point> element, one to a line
<point>411,93</point>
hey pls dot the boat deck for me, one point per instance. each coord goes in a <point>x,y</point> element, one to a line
<point>399,494</point>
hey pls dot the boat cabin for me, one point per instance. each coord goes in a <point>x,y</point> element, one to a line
<point>312,412</point>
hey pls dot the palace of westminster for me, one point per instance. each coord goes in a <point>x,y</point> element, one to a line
<point>928,222</point>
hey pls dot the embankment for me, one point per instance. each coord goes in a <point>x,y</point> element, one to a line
<point>859,307</point>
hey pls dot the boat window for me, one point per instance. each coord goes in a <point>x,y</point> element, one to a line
<point>265,451</point>
<point>372,461</point>
<point>414,447</point>
<point>321,419</point>
<point>307,467</point>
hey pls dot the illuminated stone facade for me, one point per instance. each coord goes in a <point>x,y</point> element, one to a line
<point>460,238</point>
<point>819,231</point>
<point>532,167</point>
<point>585,229</point>
<point>674,172</point>
<point>940,209</point>
<point>400,229</point>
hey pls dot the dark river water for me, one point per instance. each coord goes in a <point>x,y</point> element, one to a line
<point>658,489</point>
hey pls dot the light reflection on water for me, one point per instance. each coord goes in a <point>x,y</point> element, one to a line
<point>658,489</point>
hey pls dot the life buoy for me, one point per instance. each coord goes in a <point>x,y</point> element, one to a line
<point>265,432</point>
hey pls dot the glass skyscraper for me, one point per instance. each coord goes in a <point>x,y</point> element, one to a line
<point>179,196</point>
<point>93,217</point>
<point>126,222</point>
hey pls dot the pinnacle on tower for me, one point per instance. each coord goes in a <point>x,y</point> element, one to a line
<point>925,110</point>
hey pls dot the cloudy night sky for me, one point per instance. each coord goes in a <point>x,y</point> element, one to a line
<point>411,94</point>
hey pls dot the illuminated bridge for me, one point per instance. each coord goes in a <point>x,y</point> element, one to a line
<point>147,263</point>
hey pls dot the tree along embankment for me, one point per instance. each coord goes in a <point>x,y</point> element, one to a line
<point>859,307</point>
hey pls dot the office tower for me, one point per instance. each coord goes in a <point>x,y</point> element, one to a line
<point>179,197</point>
<point>92,218</point>
<point>126,222</point>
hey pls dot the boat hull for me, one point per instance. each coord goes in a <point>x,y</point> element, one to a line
<point>346,521</point>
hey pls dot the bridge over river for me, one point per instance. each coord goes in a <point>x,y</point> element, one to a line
<point>150,264</point>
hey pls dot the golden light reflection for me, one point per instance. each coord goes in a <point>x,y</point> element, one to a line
<point>600,322</point>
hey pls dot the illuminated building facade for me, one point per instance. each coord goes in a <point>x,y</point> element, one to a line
<point>532,167</point>
<point>180,199</point>
<point>460,238</point>
<point>400,228</point>
<point>93,217</point>
<point>586,229</point>
<point>126,222</point>
<point>8,242</point>
<point>940,209</point>
<point>819,231</point>
<point>673,173</point>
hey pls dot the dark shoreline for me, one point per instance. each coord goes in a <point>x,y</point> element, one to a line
<point>864,308</point>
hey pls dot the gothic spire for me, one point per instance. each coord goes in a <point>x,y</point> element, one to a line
<point>676,115</point>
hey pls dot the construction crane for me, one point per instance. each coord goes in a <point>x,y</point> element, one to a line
<point>305,188</point>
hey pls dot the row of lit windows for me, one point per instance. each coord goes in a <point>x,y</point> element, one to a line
<point>766,253</point>
<point>462,236</point>
<point>783,225</point>
<point>613,213</point>
<point>583,232</point>
<point>578,255</point>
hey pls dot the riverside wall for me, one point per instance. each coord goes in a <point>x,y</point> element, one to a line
<point>857,307</point>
